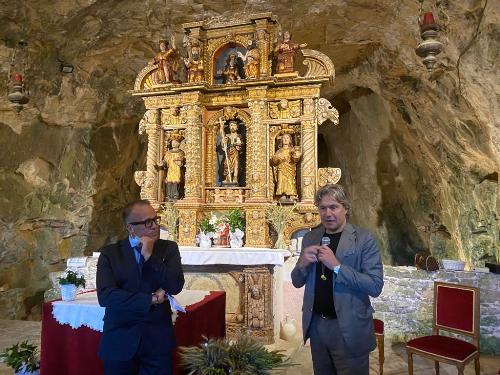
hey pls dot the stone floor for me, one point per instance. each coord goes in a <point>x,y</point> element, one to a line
<point>12,331</point>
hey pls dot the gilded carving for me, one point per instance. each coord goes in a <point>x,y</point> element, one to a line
<point>173,116</point>
<point>285,109</point>
<point>325,111</point>
<point>328,176</point>
<point>276,117</point>
<point>318,64</point>
<point>193,182</point>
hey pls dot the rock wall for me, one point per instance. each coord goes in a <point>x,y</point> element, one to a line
<point>419,154</point>
<point>406,303</point>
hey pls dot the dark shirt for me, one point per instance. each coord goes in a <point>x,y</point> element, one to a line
<point>323,290</point>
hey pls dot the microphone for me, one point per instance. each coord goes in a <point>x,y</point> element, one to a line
<point>325,241</point>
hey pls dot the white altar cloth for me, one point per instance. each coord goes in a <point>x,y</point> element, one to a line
<point>85,309</point>
<point>246,256</point>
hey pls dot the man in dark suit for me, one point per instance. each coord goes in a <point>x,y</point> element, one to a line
<point>340,267</point>
<point>134,277</point>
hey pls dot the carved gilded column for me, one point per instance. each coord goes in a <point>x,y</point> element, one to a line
<point>309,163</point>
<point>194,145</point>
<point>148,179</point>
<point>257,158</point>
<point>257,229</point>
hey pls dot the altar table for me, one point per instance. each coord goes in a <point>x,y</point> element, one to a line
<point>68,351</point>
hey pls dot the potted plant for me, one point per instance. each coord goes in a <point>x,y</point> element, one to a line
<point>207,230</point>
<point>236,228</point>
<point>22,357</point>
<point>245,355</point>
<point>68,283</point>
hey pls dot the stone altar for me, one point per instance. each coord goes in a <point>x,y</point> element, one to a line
<point>252,279</point>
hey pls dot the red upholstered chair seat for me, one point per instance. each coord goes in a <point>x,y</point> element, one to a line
<point>378,326</point>
<point>443,346</point>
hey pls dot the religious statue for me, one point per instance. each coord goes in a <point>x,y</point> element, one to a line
<point>173,161</point>
<point>285,52</point>
<point>285,166</point>
<point>193,63</point>
<point>166,60</point>
<point>230,148</point>
<point>232,70</point>
<point>251,59</point>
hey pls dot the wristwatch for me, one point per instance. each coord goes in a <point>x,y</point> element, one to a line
<point>336,269</point>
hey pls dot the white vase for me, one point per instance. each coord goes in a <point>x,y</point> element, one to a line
<point>22,371</point>
<point>288,329</point>
<point>236,243</point>
<point>205,241</point>
<point>68,292</point>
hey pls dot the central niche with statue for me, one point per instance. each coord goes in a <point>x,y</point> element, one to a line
<point>232,124</point>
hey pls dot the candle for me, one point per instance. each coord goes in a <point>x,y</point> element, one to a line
<point>18,78</point>
<point>428,19</point>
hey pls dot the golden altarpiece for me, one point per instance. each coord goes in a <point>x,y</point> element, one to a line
<point>237,124</point>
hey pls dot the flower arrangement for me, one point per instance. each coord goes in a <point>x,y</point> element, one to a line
<point>279,216</point>
<point>169,219</point>
<point>22,357</point>
<point>72,278</point>
<point>69,283</point>
<point>244,356</point>
<point>235,220</point>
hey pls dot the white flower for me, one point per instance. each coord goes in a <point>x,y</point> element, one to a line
<point>213,220</point>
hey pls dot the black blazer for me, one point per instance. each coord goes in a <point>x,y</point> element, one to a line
<point>125,292</point>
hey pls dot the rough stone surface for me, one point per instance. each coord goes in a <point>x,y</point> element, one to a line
<point>419,154</point>
<point>406,303</point>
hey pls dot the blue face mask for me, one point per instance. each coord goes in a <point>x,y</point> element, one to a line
<point>134,240</point>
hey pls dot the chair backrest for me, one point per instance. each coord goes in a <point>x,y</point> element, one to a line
<point>456,309</point>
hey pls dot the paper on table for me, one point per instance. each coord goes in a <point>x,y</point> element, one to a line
<point>76,262</point>
<point>174,304</point>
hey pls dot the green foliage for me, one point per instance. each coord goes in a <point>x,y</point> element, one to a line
<point>169,219</point>
<point>279,216</point>
<point>72,278</point>
<point>235,219</point>
<point>245,356</point>
<point>206,226</point>
<point>21,356</point>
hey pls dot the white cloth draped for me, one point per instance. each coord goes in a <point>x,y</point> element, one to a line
<point>246,256</point>
<point>85,309</point>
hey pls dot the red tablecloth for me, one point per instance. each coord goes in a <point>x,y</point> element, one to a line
<point>68,351</point>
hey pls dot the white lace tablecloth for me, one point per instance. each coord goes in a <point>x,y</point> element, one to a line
<point>85,309</point>
<point>246,256</point>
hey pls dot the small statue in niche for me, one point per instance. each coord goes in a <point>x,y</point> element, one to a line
<point>251,59</point>
<point>173,162</point>
<point>285,162</point>
<point>233,71</point>
<point>193,63</point>
<point>285,52</point>
<point>167,62</point>
<point>230,148</point>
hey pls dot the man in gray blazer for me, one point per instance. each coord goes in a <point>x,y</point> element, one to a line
<point>340,266</point>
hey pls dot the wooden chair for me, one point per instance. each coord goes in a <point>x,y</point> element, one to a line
<point>378,326</point>
<point>456,309</point>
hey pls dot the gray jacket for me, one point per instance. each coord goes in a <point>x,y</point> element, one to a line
<point>360,276</point>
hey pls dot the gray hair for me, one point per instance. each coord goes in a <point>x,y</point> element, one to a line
<point>338,193</point>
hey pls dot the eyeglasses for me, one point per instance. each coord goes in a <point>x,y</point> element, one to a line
<point>148,223</point>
